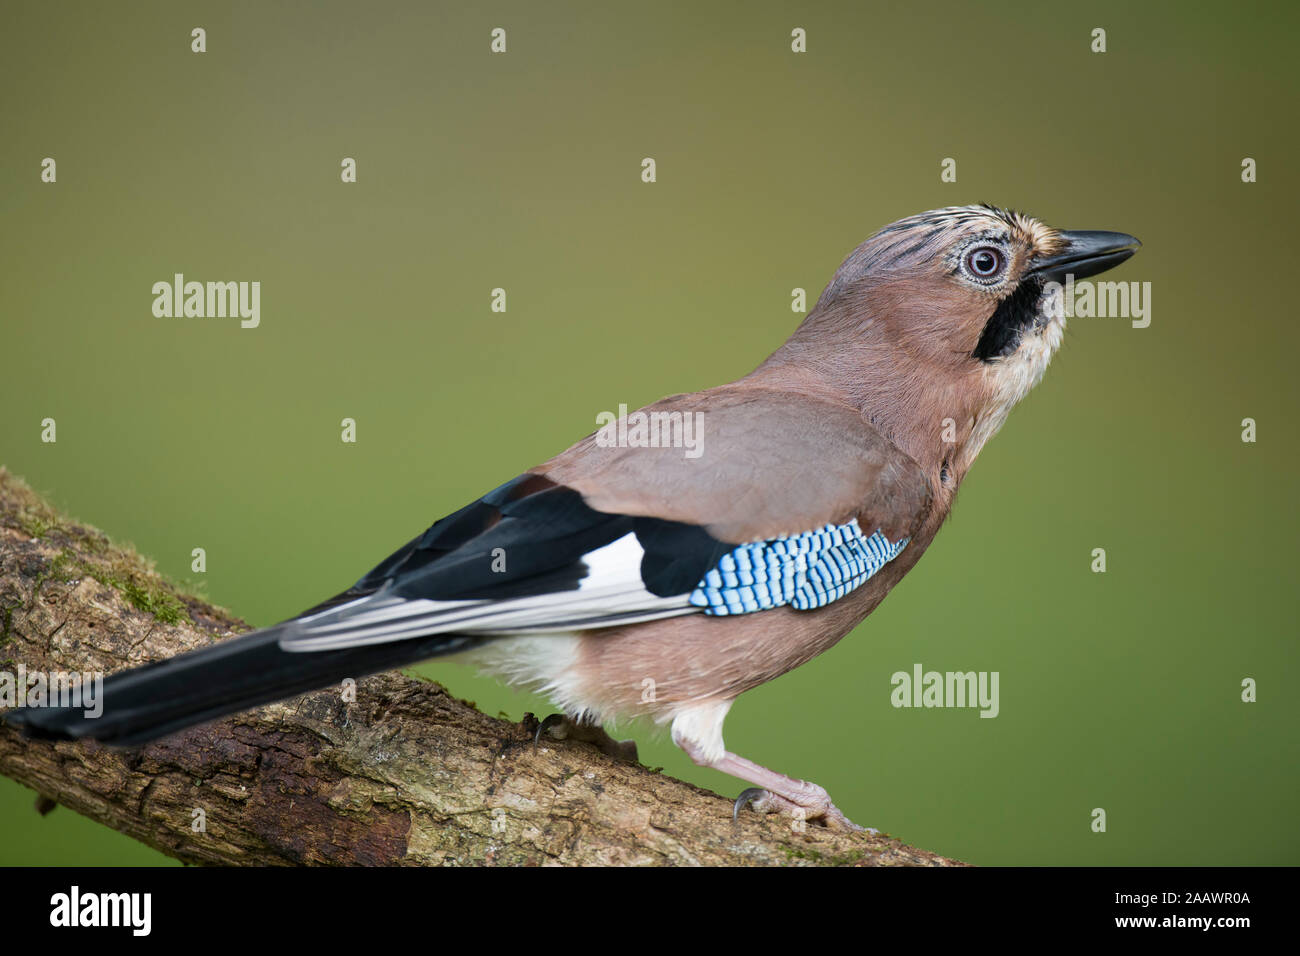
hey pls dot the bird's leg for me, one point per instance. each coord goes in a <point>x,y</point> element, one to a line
<point>775,791</point>
<point>564,727</point>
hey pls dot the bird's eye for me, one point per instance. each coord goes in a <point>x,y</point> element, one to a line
<point>985,262</point>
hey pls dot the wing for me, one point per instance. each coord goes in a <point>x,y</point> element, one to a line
<point>766,463</point>
<point>789,501</point>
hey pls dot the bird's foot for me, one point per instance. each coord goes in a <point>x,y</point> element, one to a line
<point>564,727</point>
<point>817,806</point>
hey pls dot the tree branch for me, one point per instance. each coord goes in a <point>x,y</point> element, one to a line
<point>405,775</point>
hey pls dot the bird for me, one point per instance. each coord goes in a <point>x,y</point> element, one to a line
<point>816,483</point>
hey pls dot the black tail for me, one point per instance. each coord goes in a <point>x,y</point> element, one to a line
<point>149,702</point>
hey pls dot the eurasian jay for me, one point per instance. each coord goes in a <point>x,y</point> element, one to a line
<point>819,480</point>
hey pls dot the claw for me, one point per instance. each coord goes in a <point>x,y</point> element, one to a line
<point>766,802</point>
<point>591,733</point>
<point>746,797</point>
<point>555,720</point>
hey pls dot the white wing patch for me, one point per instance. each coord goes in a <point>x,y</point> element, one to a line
<point>611,593</point>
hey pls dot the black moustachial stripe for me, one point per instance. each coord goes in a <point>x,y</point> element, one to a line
<point>1014,314</point>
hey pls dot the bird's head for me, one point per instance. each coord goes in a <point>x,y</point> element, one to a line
<point>950,314</point>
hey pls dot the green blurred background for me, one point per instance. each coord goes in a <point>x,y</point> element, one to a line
<point>1118,690</point>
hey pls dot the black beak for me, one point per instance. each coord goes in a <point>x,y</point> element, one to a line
<point>1087,254</point>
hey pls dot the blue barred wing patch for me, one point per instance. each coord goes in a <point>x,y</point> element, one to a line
<point>805,571</point>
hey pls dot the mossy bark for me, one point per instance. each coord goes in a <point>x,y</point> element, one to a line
<point>406,774</point>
